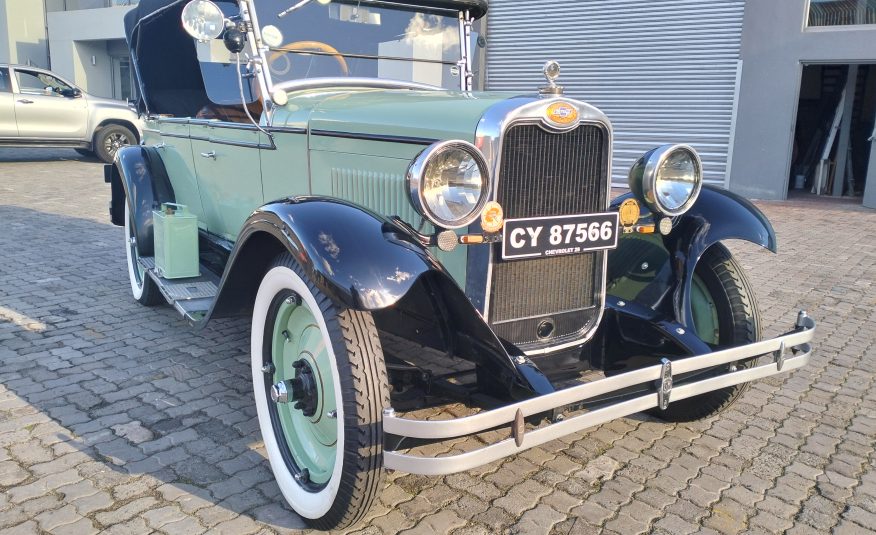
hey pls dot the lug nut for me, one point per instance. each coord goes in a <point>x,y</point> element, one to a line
<point>279,393</point>
<point>303,476</point>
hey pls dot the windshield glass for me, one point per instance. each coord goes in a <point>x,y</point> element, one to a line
<point>321,38</point>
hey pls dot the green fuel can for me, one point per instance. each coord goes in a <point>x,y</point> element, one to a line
<point>176,241</point>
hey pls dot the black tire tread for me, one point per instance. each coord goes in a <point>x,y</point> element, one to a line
<point>365,394</point>
<point>739,296</point>
<point>100,134</point>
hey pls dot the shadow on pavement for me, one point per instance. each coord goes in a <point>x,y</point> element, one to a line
<point>134,389</point>
<point>18,155</point>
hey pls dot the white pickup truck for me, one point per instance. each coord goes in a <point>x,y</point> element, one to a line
<point>40,109</point>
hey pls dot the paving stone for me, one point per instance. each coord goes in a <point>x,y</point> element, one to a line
<point>125,512</point>
<point>93,502</point>
<point>83,526</point>
<point>242,525</point>
<point>25,528</point>
<point>186,526</point>
<point>60,518</point>
<point>522,497</point>
<point>12,473</point>
<point>538,520</point>
<point>442,522</point>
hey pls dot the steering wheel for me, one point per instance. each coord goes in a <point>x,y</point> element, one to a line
<point>301,46</point>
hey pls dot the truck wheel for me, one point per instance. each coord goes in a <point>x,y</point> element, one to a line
<point>320,388</point>
<point>145,290</point>
<point>725,315</point>
<point>109,139</point>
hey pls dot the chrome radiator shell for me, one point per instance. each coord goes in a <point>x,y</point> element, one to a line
<point>580,313</point>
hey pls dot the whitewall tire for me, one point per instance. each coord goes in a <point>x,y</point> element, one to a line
<point>320,389</point>
<point>143,288</point>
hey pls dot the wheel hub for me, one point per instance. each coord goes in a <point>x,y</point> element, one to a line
<point>303,388</point>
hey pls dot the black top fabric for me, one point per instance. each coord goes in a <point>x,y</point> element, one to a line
<point>166,63</point>
<point>165,59</point>
<point>478,9</point>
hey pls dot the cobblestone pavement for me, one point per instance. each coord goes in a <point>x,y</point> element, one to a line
<point>120,418</point>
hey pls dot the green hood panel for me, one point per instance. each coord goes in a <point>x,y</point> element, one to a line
<point>394,113</point>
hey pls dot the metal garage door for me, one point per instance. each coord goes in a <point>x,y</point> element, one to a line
<point>664,71</point>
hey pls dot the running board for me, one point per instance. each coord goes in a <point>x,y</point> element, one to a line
<point>192,297</point>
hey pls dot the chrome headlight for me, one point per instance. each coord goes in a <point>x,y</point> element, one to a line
<point>449,183</point>
<point>668,179</point>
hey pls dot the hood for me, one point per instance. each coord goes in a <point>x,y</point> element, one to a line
<point>108,102</point>
<point>397,113</point>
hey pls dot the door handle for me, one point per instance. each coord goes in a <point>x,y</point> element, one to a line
<point>211,154</point>
<point>25,101</point>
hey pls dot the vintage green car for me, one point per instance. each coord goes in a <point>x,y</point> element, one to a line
<point>403,241</point>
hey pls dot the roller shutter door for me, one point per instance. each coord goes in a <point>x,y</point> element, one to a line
<point>663,71</point>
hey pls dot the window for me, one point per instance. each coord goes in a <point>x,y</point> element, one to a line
<point>38,83</point>
<point>5,86</point>
<point>842,12</point>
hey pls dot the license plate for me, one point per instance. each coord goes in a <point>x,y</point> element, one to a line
<point>562,235</point>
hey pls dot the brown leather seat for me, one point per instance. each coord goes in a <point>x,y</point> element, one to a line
<point>232,113</point>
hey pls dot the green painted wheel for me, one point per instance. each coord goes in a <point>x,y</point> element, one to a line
<point>725,314</point>
<point>312,439</point>
<point>705,312</point>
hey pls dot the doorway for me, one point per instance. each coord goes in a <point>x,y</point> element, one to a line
<point>123,78</point>
<point>834,128</point>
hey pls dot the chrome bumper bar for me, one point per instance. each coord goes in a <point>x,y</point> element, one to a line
<point>789,351</point>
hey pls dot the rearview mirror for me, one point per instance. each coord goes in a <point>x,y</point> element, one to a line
<point>203,20</point>
<point>71,92</point>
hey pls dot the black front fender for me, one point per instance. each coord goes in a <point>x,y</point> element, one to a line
<point>356,258</point>
<point>138,176</point>
<point>657,271</point>
<point>363,261</point>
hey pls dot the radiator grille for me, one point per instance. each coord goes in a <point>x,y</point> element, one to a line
<point>547,174</point>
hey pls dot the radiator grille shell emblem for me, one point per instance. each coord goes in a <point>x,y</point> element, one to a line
<point>562,114</point>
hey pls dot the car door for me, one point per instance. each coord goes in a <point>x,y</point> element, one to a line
<point>47,108</point>
<point>7,106</point>
<point>229,173</point>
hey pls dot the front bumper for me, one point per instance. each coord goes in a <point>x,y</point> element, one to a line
<point>788,352</point>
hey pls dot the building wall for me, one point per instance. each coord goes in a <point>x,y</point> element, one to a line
<point>663,71</point>
<point>96,77</point>
<point>775,45</point>
<point>77,37</point>
<point>23,32</point>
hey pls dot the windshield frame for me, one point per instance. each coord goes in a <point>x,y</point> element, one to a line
<point>249,14</point>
